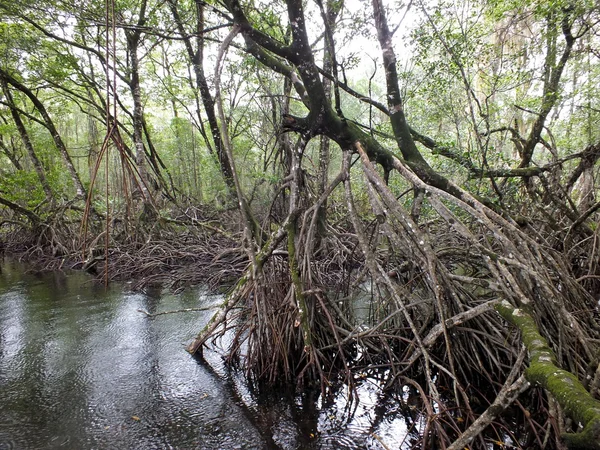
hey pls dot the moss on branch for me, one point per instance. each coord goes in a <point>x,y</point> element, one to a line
<point>543,371</point>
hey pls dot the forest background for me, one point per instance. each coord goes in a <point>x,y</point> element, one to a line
<point>440,157</point>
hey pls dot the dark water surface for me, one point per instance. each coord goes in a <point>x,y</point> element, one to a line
<point>82,368</point>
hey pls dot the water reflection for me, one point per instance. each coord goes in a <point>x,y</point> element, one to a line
<point>82,368</point>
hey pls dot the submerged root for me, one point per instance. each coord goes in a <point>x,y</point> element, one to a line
<point>406,298</point>
<point>430,293</point>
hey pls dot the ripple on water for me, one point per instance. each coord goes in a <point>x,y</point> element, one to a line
<point>6,444</point>
<point>82,368</point>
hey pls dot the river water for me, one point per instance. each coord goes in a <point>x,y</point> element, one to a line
<point>82,368</point>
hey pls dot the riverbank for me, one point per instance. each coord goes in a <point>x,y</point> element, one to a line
<point>173,256</point>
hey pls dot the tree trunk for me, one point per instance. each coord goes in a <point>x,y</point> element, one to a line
<point>133,42</point>
<point>37,165</point>
<point>81,192</point>
<point>197,60</point>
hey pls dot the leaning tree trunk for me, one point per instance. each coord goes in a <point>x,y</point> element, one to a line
<point>37,165</point>
<point>196,57</point>
<point>49,124</point>
<point>544,372</point>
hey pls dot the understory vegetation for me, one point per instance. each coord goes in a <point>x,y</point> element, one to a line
<point>402,191</point>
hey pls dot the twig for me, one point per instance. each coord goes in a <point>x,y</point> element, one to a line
<point>208,308</point>
<point>378,439</point>
<point>507,395</point>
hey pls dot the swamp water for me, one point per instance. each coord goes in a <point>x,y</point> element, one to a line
<point>82,368</point>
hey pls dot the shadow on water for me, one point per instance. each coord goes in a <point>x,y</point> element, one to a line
<point>81,367</point>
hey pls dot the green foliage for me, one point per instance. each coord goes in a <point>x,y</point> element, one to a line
<point>22,187</point>
<point>269,17</point>
<point>17,42</point>
<point>465,69</point>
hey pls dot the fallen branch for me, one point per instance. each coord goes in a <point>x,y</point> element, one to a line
<point>451,322</point>
<point>33,218</point>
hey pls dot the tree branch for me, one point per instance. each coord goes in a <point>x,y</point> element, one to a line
<point>543,371</point>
